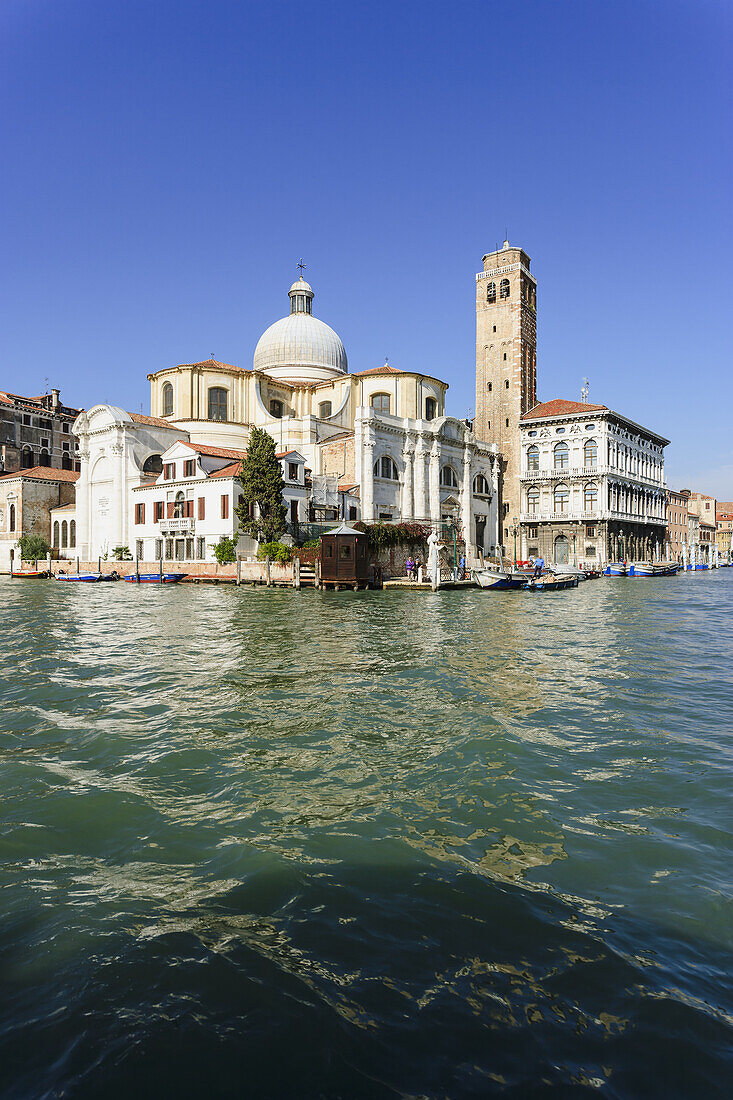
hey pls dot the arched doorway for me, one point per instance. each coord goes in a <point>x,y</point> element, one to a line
<point>562,550</point>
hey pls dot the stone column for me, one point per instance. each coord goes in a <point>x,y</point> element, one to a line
<point>117,451</point>
<point>83,509</point>
<point>466,499</point>
<point>367,478</point>
<point>421,508</point>
<point>406,499</point>
<point>435,483</point>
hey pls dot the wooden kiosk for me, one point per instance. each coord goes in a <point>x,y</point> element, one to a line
<point>344,558</point>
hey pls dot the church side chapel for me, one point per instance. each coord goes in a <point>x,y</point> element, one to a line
<point>374,445</point>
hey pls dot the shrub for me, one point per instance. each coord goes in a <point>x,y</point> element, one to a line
<point>225,550</point>
<point>33,547</point>
<point>382,536</point>
<point>312,544</point>
<point>121,553</point>
<point>275,551</point>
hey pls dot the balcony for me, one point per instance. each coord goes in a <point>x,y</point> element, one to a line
<point>181,526</point>
<point>529,476</point>
<point>588,517</point>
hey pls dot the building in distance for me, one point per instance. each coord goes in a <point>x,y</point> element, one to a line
<point>36,431</point>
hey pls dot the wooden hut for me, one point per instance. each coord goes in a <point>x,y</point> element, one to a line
<point>344,558</point>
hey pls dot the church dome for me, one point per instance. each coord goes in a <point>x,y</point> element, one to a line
<point>300,348</point>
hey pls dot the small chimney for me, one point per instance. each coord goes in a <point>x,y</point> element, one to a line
<point>55,398</point>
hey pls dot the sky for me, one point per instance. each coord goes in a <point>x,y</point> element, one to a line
<point>165,164</point>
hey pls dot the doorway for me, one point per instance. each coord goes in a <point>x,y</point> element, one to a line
<point>562,550</point>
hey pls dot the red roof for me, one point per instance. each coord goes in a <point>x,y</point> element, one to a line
<point>156,422</point>
<point>560,407</point>
<point>211,363</point>
<point>232,470</point>
<point>214,452</point>
<point>386,369</point>
<point>44,473</point>
<point>64,507</point>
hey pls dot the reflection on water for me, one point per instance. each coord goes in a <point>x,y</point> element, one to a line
<point>366,844</point>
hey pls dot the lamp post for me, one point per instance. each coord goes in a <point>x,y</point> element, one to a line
<point>575,560</point>
<point>514,532</point>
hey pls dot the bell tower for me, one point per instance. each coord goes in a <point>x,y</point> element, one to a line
<point>506,364</point>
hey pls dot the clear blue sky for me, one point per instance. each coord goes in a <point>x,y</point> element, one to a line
<point>166,162</point>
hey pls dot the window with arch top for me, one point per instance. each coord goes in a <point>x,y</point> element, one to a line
<point>504,288</point>
<point>217,403</point>
<point>562,498</point>
<point>11,518</point>
<point>72,534</point>
<point>481,486</point>
<point>380,402</point>
<point>26,458</point>
<point>533,457</point>
<point>64,535</point>
<point>56,533</point>
<point>491,292</point>
<point>590,497</point>
<point>276,409</point>
<point>179,507</point>
<point>431,408</point>
<point>562,456</point>
<point>168,400</point>
<point>533,500</point>
<point>386,467</point>
<point>590,452</point>
<point>448,477</point>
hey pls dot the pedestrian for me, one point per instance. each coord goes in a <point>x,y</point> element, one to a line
<point>539,565</point>
<point>409,566</point>
<point>462,567</point>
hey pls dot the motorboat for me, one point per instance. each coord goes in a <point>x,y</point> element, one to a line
<point>616,569</point>
<point>552,582</point>
<point>30,574</point>
<point>154,578</point>
<point>653,569</point>
<point>496,578</point>
<point>87,578</point>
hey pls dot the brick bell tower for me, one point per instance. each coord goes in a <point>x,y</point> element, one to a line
<point>506,364</point>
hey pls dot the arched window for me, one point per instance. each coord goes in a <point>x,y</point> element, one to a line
<point>26,458</point>
<point>562,498</point>
<point>179,507</point>
<point>45,458</point>
<point>168,401</point>
<point>385,467</point>
<point>481,486</point>
<point>590,497</point>
<point>324,409</point>
<point>590,452</point>
<point>380,402</point>
<point>562,456</point>
<point>72,534</point>
<point>217,403</point>
<point>491,292</point>
<point>562,550</point>
<point>11,517</point>
<point>66,461</point>
<point>533,457</point>
<point>153,464</point>
<point>448,477</point>
<point>64,535</point>
<point>533,500</point>
<point>431,408</point>
<point>504,288</point>
<point>56,533</point>
<point>276,409</point>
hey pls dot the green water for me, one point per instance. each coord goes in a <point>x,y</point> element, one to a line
<point>268,843</point>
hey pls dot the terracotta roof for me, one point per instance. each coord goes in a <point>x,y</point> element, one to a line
<point>154,420</point>
<point>4,399</point>
<point>560,407</point>
<point>232,470</point>
<point>64,507</point>
<point>212,363</point>
<point>44,473</point>
<point>214,452</point>
<point>284,454</point>
<point>386,369</point>
<point>344,487</point>
<point>335,436</point>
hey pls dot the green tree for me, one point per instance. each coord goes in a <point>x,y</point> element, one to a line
<point>32,547</point>
<point>225,550</point>
<point>262,484</point>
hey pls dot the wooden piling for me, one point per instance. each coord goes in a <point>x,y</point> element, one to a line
<point>268,580</point>
<point>239,570</point>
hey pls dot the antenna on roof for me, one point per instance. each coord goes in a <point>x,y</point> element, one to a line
<point>584,392</point>
<point>46,383</point>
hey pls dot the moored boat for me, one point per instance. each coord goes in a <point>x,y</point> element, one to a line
<point>549,582</point>
<point>653,569</point>
<point>29,574</point>
<point>616,569</point>
<point>154,578</point>
<point>83,578</point>
<point>497,579</point>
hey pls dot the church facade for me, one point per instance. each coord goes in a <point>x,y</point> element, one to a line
<point>372,445</point>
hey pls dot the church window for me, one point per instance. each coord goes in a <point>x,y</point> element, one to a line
<point>72,534</point>
<point>276,409</point>
<point>448,477</point>
<point>494,328</point>
<point>590,498</point>
<point>504,288</point>
<point>590,452</point>
<point>153,464</point>
<point>491,294</point>
<point>324,409</point>
<point>505,357</point>
<point>533,501</point>
<point>562,456</point>
<point>11,518</point>
<point>507,422</point>
<point>481,486</point>
<point>385,467</point>
<point>167,399</point>
<point>533,457</point>
<point>217,403</point>
<point>490,386</point>
<point>431,408</point>
<point>506,381</point>
<point>380,402</point>
<point>56,533</point>
<point>64,535</point>
<point>562,498</point>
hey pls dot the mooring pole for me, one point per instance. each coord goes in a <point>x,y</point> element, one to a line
<point>239,570</point>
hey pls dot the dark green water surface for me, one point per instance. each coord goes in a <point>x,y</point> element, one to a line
<point>278,844</point>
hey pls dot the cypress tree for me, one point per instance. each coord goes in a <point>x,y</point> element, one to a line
<point>262,484</point>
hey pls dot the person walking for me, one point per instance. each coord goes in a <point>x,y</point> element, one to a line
<point>410,567</point>
<point>539,565</point>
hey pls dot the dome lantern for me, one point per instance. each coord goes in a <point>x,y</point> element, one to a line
<point>300,348</point>
<point>301,296</point>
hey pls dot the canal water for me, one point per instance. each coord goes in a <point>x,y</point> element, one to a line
<point>277,844</point>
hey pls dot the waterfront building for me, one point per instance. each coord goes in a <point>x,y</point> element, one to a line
<point>724,529</point>
<point>677,523</point>
<point>592,485</point>
<point>26,500</point>
<point>375,444</point>
<point>36,431</point>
